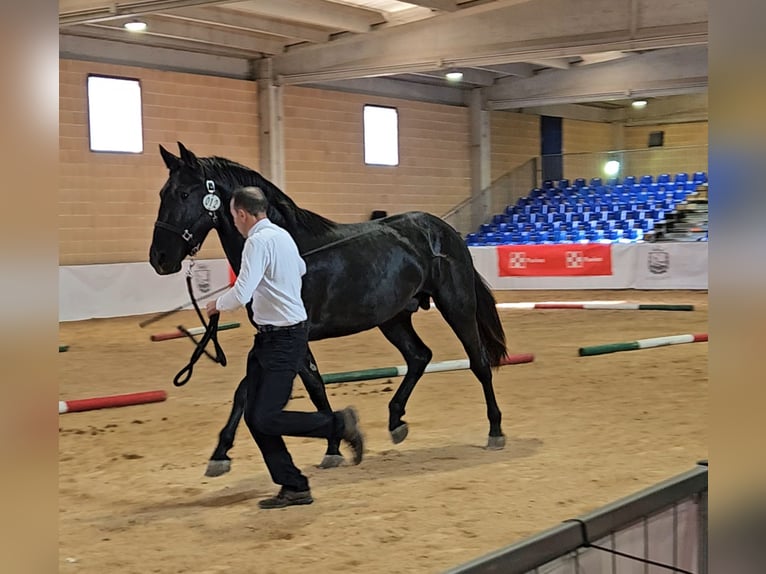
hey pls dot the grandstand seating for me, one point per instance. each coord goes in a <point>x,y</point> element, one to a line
<point>581,211</point>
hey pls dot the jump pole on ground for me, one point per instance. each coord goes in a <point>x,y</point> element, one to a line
<point>400,371</point>
<point>79,405</point>
<point>606,305</point>
<point>177,334</point>
<point>642,344</point>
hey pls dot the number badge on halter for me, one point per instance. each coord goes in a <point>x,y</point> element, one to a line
<point>211,201</point>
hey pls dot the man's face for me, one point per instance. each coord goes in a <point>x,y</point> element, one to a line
<point>240,219</point>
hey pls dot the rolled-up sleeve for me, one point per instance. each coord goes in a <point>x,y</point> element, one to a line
<point>254,262</point>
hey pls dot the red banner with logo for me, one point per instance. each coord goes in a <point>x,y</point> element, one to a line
<point>554,260</point>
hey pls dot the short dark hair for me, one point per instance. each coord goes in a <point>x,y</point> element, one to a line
<point>251,199</point>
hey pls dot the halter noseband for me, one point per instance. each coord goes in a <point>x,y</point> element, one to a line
<point>212,203</point>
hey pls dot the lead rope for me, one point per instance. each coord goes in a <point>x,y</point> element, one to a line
<point>211,334</point>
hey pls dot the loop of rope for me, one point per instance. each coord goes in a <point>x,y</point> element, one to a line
<point>211,334</point>
<point>587,544</point>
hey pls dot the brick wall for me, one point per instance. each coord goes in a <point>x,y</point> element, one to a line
<point>685,149</point>
<point>108,202</point>
<point>579,140</point>
<point>514,138</point>
<point>324,156</point>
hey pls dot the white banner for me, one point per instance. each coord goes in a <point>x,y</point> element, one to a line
<point>672,266</point>
<point>123,289</point>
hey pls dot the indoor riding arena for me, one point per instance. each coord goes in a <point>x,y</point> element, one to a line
<point>566,146</point>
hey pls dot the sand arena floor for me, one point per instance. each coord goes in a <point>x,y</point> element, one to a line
<point>581,433</point>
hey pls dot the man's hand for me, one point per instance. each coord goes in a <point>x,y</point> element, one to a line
<point>211,309</point>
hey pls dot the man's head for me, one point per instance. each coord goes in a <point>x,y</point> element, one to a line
<point>248,206</point>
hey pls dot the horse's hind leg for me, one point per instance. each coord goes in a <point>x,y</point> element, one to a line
<point>417,355</point>
<point>312,380</point>
<point>220,463</point>
<point>458,308</point>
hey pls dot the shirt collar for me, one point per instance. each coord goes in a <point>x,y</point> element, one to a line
<point>259,225</point>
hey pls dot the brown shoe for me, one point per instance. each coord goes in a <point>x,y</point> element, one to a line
<point>287,498</point>
<point>352,434</point>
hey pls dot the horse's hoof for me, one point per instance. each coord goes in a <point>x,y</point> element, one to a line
<point>496,442</point>
<point>400,433</point>
<point>331,461</point>
<point>217,467</point>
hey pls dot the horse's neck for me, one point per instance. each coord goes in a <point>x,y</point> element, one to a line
<point>232,243</point>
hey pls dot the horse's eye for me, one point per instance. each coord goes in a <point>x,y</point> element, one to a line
<point>184,195</point>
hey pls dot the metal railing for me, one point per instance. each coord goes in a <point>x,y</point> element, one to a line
<point>657,530</point>
<point>469,214</point>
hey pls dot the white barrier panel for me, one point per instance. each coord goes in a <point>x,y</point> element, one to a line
<point>671,266</point>
<point>123,289</point>
<point>634,266</point>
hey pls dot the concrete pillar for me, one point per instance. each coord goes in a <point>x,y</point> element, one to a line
<point>481,174</point>
<point>270,126</point>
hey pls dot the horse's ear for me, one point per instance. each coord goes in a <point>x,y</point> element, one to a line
<point>171,161</point>
<point>188,157</point>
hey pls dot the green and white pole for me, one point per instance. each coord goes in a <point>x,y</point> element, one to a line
<point>642,344</point>
<point>400,371</point>
<point>606,305</point>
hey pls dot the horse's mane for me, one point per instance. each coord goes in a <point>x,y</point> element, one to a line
<point>232,175</point>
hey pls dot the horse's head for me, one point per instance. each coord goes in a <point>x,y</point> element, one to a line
<point>190,206</point>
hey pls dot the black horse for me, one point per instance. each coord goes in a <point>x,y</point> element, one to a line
<point>359,276</point>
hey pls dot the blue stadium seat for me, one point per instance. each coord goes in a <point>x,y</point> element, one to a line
<point>681,177</point>
<point>699,177</point>
<point>663,178</point>
<point>563,184</point>
<point>612,181</point>
<point>646,179</point>
<point>579,182</point>
<point>629,180</point>
<point>595,182</point>
<point>690,186</point>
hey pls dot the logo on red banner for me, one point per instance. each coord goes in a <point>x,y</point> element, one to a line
<point>554,260</point>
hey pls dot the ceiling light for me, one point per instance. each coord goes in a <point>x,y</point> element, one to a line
<point>135,26</point>
<point>454,75</point>
<point>639,104</point>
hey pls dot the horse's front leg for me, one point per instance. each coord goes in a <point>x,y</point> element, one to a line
<point>312,380</point>
<point>220,463</point>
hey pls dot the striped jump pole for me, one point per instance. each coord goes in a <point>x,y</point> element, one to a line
<point>79,405</point>
<point>400,371</point>
<point>613,305</point>
<point>642,344</point>
<point>177,334</point>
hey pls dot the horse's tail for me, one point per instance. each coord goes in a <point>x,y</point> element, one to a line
<point>490,328</point>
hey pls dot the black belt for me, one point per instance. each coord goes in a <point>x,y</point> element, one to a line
<point>272,328</point>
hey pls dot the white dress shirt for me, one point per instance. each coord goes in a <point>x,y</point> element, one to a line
<point>271,275</point>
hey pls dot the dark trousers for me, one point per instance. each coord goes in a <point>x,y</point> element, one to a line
<point>272,364</point>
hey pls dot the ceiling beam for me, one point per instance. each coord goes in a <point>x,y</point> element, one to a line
<point>392,88</point>
<point>558,63</point>
<point>519,69</point>
<point>248,21</point>
<point>73,12</point>
<point>209,35</point>
<point>570,112</point>
<point>661,72</point>
<point>677,109</point>
<point>470,76</point>
<point>322,13</point>
<point>182,36</point>
<point>480,36</point>
<point>155,57</point>
<point>441,5</point>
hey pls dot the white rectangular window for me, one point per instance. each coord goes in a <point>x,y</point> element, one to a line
<point>381,136</point>
<point>114,115</point>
